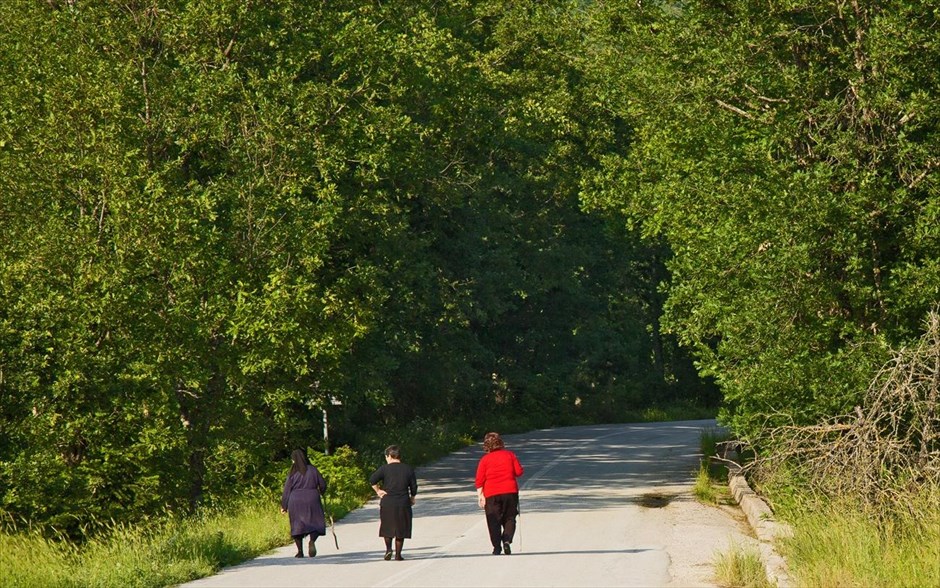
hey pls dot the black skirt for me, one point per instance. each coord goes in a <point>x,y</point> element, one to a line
<point>395,517</point>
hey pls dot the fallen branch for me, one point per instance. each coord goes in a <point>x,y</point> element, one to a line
<point>886,450</point>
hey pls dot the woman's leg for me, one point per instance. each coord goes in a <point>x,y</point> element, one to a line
<point>299,542</point>
<point>494,523</point>
<point>399,543</point>
<point>388,548</point>
<point>313,545</point>
<point>510,512</point>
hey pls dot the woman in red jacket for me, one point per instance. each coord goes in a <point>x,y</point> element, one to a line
<point>498,492</point>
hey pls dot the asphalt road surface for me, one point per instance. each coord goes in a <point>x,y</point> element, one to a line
<point>607,505</point>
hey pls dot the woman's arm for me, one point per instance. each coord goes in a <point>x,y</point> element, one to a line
<point>479,481</point>
<point>285,495</point>
<point>376,477</point>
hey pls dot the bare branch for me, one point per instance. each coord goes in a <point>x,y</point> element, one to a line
<point>765,98</point>
<point>887,449</point>
<point>734,109</point>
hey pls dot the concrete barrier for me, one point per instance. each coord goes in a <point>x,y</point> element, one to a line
<point>766,527</point>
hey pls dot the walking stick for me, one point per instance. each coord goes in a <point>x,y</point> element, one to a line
<point>333,531</point>
<point>332,527</point>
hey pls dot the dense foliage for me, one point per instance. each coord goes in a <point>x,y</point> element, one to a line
<point>789,154</point>
<point>220,217</point>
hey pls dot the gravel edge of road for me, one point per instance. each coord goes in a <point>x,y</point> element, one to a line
<point>765,526</point>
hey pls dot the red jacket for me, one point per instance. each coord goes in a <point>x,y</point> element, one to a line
<point>497,473</point>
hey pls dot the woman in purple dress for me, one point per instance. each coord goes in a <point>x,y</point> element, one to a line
<point>301,501</point>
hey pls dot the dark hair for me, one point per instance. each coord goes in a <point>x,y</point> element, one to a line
<point>492,442</point>
<point>300,463</point>
<point>393,451</point>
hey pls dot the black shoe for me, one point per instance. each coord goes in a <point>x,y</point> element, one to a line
<point>497,551</point>
<point>506,549</point>
<point>388,556</point>
<point>398,557</point>
<point>299,554</point>
<point>313,549</point>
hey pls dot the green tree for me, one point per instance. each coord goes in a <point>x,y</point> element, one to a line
<point>173,282</point>
<point>787,154</point>
<point>219,215</point>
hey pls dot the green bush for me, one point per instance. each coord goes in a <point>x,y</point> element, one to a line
<point>346,477</point>
<point>421,441</point>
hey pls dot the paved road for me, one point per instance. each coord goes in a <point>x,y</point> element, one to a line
<point>607,505</point>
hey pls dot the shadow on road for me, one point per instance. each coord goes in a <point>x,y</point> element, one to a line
<point>607,467</point>
<point>426,553</point>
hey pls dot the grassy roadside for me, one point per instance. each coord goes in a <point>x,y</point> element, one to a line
<point>739,567</point>
<point>172,552</point>
<point>834,544</point>
<point>839,545</point>
<point>711,482</point>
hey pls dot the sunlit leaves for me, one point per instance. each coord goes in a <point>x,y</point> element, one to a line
<point>776,155</point>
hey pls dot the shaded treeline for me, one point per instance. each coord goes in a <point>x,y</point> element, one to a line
<point>218,217</point>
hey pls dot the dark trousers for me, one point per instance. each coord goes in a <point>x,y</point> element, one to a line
<point>501,511</point>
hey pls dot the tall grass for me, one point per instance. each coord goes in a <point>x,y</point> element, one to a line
<point>171,552</point>
<point>711,438</point>
<point>712,477</point>
<point>842,546</point>
<point>421,441</point>
<point>741,568</point>
<point>704,488</point>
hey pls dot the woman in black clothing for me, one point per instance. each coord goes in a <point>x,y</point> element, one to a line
<point>397,493</point>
